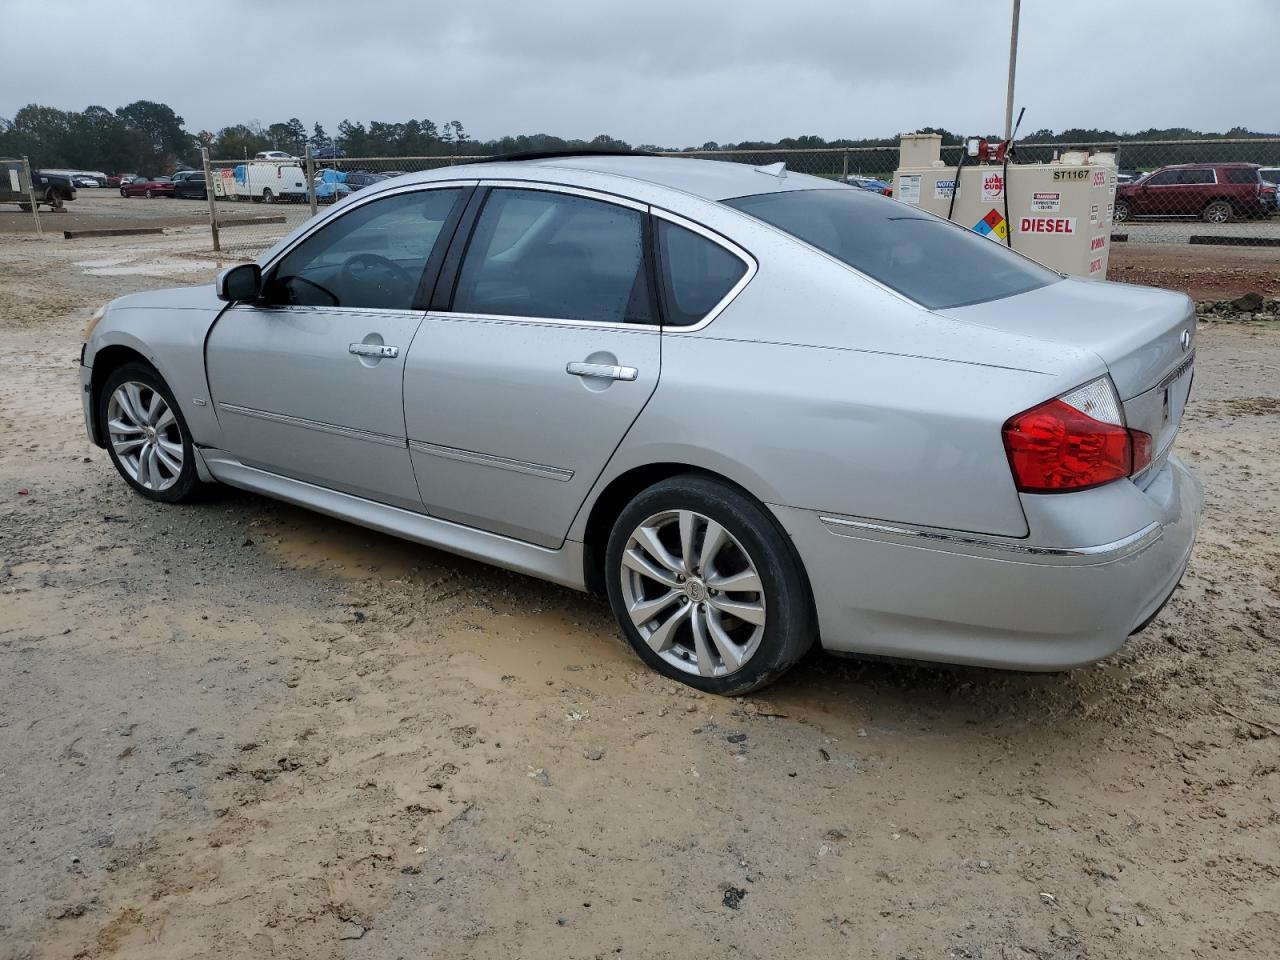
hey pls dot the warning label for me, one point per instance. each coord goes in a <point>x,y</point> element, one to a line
<point>1046,202</point>
<point>993,226</point>
<point>1095,265</point>
<point>1097,243</point>
<point>942,189</point>
<point>909,189</point>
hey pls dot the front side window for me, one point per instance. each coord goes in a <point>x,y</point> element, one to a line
<point>1163,179</point>
<point>558,256</point>
<point>374,256</point>
<point>932,261</point>
<point>696,274</point>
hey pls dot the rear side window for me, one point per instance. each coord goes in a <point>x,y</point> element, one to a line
<point>1241,175</point>
<point>697,274</point>
<point>1196,176</point>
<point>933,261</point>
<point>557,256</point>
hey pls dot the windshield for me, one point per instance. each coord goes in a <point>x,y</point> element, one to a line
<point>933,261</point>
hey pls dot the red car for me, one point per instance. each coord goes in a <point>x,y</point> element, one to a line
<point>119,179</point>
<point>1214,192</point>
<point>147,187</point>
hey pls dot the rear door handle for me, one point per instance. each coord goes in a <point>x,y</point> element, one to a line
<point>603,371</point>
<point>380,350</point>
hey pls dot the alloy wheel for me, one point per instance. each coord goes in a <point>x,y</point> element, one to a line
<point>693,593</point>
<point>145,435</point>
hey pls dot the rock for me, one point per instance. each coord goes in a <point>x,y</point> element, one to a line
<point>351,931</point>
<point>984,864</point>
<point>733,897</point>
<point>1249,302</point>
<point>593,754</point>
<point>736,738</point>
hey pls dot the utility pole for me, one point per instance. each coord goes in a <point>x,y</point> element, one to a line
<point>1013,69</point>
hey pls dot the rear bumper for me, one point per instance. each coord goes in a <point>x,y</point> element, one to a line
<point>1023,604</point>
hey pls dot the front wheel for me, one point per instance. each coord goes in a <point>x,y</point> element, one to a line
<point>148,194</point>
<point>1219,211</point>
<point>147,437</point>
<point>706,587</point>
<point>124,192</point>
<point>1121,213</point>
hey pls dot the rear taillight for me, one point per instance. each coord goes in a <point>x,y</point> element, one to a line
<point>1074,442</point>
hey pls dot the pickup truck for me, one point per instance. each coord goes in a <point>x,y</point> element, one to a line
<point>53,189</point>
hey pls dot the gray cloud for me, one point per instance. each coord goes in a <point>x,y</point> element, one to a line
<point>664,71</point>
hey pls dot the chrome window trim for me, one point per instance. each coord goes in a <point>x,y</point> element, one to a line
<point>331,216</point>
<point>724,242</point>
<point>311,308</point>
<point>971,545</point>
<point>319,426</point>
<point>545,321</point>
<point>571,189</point>
<point>489,460</point>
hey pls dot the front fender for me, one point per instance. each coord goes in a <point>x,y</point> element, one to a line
<point>171,339</point>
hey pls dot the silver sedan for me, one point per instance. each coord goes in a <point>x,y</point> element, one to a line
<point>752,408</point>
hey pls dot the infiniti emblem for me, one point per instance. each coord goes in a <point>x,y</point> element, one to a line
<point>1185,340</point>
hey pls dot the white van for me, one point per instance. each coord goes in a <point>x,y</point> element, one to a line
<point>267,182</point>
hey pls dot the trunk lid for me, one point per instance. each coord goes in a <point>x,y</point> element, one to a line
<point>1145,336</point>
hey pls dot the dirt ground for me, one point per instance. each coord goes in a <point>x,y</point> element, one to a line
<point>239,730</point>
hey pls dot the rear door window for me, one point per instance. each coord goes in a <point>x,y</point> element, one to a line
<point>536,253</point>
<point>932,261</point>
<point>697,273</point>
<point>1196,176</point>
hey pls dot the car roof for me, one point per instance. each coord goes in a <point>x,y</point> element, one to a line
<point>708,179</point>
<point>1202,166</point>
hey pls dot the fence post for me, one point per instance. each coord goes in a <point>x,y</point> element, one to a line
<point>844,177</point>
<point>311,179</point>
<point>211,197</point>
<point>31,192</point>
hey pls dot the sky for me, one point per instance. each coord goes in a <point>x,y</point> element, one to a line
<point>666,72</point>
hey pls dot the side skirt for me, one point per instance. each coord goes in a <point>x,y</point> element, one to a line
<point>563,566</point>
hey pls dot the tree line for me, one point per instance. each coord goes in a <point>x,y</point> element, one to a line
<point>149,137</point>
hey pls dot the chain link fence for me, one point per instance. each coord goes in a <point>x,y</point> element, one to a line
<point>257,202</point>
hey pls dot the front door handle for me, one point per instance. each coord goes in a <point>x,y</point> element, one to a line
<point>603,371</point>
<point>379,350</point>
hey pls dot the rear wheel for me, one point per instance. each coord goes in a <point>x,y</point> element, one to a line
<point>146,434</point>
<point>268,196</point>
<point>148,193</point>
<point>706,587</point>
<point>1217,211</point>
<point>1121,212</point>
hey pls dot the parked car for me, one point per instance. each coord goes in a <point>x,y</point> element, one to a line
<point>1271,178</point>
<point>1128,174</point>
<point>752,410</point>
<point>359,179</point>
<point>331,186</point>
<point>87,180</point>
<point>275,156</point>
<point>868,183</point>
<point>53,188</point>
<point>1214,192</point>
<point>190,184</point>
<point>50,188</point>
<point>328,153</point>
<point>119,179</point>
<point>147,187</point>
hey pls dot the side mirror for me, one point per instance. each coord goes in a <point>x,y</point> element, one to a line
<point>241,282</point>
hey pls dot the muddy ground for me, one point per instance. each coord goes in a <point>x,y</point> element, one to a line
<point>239,730</point>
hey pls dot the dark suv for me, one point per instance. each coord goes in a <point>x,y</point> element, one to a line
<point>1214,192</point>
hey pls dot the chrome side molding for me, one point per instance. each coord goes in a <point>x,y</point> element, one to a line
<point>489,460</point>
<point>970,544</point>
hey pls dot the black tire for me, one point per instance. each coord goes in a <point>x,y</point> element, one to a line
<point>148,193</point>
<point>790,624</point>
<point>1121,212</point>
<point>187,485</point>
<point>1218,211</point>
<point>268,196</point>
<point>123,193</point>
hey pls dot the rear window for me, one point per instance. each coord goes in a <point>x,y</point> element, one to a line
<point>1241,175</point>
<point>933,261</point>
